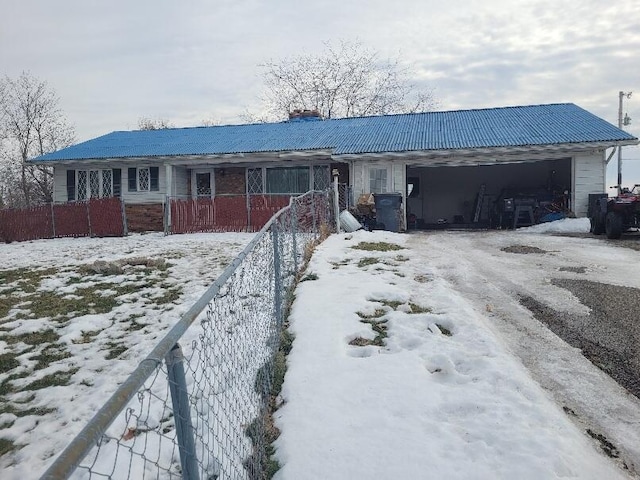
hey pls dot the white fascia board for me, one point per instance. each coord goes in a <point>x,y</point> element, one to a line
<point>483,155</point>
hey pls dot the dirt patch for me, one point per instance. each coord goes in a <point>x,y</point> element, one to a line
<point>523,249</point>
<point>574,269</point>
<point>609,336</point>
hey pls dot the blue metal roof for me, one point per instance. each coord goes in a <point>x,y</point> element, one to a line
<point>553,124</point>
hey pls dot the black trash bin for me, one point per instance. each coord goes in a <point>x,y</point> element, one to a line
<point>388,211</point>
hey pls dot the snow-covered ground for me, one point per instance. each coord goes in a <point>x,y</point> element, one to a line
<point>410,363</point>
<point>466,384</point>
<point>76,317</point>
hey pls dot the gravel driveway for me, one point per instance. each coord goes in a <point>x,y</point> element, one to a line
<point>569,307</point>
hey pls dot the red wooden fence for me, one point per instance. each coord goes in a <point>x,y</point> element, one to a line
<point>102,217</point>
<point>229,213</point>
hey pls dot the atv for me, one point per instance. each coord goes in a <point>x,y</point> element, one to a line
<point>615,215</point>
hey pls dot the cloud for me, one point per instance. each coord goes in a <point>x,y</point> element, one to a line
<point>114,62</point>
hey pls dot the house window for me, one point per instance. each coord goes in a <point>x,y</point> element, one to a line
<point>287,180</point>
<point>377,180</point>
<point>254,181</point>
<point>85,184</point>
<point>94,184</point>
<point>144,179</point>
<point>71,185</point>
<point>107,183</point>
<point>203,184</point>
<point>321,177</point>
<point>82,185</point>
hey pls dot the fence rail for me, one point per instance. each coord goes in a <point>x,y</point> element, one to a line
<point>103,217</point>
<point>202,414</point>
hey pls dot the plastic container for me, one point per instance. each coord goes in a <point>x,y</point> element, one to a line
<point>348,222</point>
<point>388,211</point>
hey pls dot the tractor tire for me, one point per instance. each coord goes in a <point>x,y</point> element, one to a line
<point>597,225</point>
<point>613,225</point>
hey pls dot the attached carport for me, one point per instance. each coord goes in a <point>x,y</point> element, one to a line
<point>500,167</point>
<point>477,192</point>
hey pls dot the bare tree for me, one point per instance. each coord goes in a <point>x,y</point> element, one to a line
<point>344,81</point>
<point>146,123</point>
<point>31,124</point>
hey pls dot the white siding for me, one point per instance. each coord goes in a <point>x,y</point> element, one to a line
<point>396,174</point>
<point>588,173</point>
<point>59,184</point>
<point>180,181</point>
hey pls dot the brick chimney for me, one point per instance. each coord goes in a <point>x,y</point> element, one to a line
<point>305,115</point>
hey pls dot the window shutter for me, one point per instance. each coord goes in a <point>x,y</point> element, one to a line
<point>133,179</point>
<point>117,182</point>
<point>154,183</point>
<point>71,185</point>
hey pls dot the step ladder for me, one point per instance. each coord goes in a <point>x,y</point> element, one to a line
<point>523,216</point>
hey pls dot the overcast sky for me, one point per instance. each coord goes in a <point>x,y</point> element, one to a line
<point>114,62</point>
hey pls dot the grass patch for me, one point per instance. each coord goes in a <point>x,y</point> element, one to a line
<point>401,258</point>
<point>309,277</point>
<point>87,336</point>
<point>37,411</point>
<point>57,379</point>
<point>49,355</point>
<point>115,350</point>
<point>379,312</point>
<point>169,295</point>
<point>7,302</point>
<point>415,308</point>
<point>27,279</point>
<point>379,327</point>
<point>392,304</point>
<point>337,265</point>
<point>7,387</point>
<point>33,338</point>
<point>134,325</point>
<point>444,330</point>
<point>377,246</point>
<point>8,361</point>
<point>7,446</point>
<point>90,301</point>
<point>118,267</point>
<point>366,261</point>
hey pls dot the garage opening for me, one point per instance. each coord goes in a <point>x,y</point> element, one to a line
<point>488,196</point>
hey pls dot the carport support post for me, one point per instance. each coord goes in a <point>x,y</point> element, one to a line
<point>182,413</point>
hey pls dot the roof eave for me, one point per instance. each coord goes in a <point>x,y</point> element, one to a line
<point>190,158</point>
<point>484,151</point>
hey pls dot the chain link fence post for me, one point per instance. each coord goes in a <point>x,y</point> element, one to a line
<point>182,413</point>
<point>294,234</point>
<point>277,277</point>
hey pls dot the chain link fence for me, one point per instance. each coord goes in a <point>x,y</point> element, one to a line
<point>198,407</point>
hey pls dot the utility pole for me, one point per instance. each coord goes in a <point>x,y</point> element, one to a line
<point>621,122</point>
